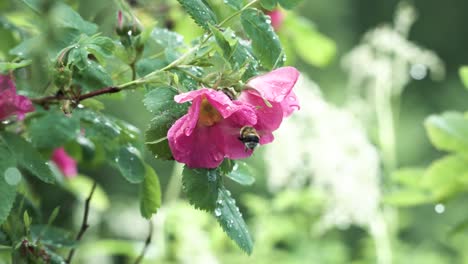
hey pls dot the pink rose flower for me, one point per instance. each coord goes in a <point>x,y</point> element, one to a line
<point>10,102</point>
<point>277,18</point>
<point>276,88</point>
<point>209,132</point>
<point>65,163</point>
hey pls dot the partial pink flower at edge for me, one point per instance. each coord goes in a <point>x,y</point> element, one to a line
<point>10,102</point>
<point>276,88</point>
<point>277,17</point>
<point>209,132</point>
<point>65,163</point>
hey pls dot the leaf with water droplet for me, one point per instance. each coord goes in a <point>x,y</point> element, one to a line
<point>201,187</point>
<point>200,11</point>
<point>7,191</point>
<point>130,164</point>
<point>232,222</point>
<point>241,173</point>
<point>28,157</point>
<point>265,42</point>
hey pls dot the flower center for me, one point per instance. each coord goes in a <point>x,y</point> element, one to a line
<point>208,114</point>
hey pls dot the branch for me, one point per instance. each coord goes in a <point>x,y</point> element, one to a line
<point>55,98</point>
<point>147,243</point>
<point>84,223</point>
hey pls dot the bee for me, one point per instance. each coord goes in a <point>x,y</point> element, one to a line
<point>250,137</point>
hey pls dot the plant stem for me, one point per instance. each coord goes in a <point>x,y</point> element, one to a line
<point>147,243</point>
<point>84,223</point>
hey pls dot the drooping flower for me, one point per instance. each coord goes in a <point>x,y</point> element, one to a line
<point>10,102</point>
<point>65,163</point>
<point>272,97</point>
<point>277,17</point>
<point>209,132</point>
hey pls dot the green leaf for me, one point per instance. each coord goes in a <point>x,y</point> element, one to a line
<point>64,16</point>
<point>150,194</point>
<point>201,187</point>
<point>53,129</point>
<point>241,173</point>
<point>230,219</point>
<point>289,4</point>
<point>269,4</point>
<point>448,131</point>
<point>161,99</point>
<point>7,191</point>
<point>447,176</point>
<point>464,75</point>
<point>311,45</point>
<point>410,177</point>
<point>53,236</point>
<point>92,77</point>
<point>129,163</point>
<point>200,11</point>
<point>408,197</point>
<point>81,185</point>
<point>222,42</point>
<point>235,4</point>
<point>28,157</point>
<point>265,42</point>
<point>9,66</point>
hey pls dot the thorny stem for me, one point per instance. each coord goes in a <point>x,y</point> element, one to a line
<point>147,243</point>
<point>84,223</point>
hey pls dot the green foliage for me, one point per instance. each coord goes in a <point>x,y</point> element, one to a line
<point>241,173</point>
<point>265,42</point>
<point>271,4</point>
<point>128,161</point>
<point>202,187</point>
<point>158,101</point>
<point>464,75</point>
<point>312,46</point>
<point>7,191</point>
<point>150,194</point>
<point>448,131</point>
<point>28,157</point>
<point>230,219</point>
<point>235,4</point>
<point>200,11</point>
<point>53,129</point>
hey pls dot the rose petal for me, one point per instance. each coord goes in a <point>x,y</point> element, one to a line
<point>290,104</point>
<point>268,118</point>
<point>65,163</point>
<point>275,85</point>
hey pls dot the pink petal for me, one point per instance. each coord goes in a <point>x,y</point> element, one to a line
<point>275,85</point>
<point>204,148</point>
<point>290,104</point>
<point>277,18</point>
<point>65,163</point>
<point>10,102</point>
<point>268,118</point>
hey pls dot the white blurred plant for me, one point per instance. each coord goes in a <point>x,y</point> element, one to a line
<point>328,147</point>
<point>380,68</point>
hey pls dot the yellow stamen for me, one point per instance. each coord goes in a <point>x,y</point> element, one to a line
<point>208,114</point>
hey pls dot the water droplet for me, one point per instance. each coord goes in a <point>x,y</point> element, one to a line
<point>12,176</point>
<point>228,192</point>
<point>217,212</point>
<point>80,106</point>
<point>187,131</point>
<point>439,208</point>
<point>220,202</point>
